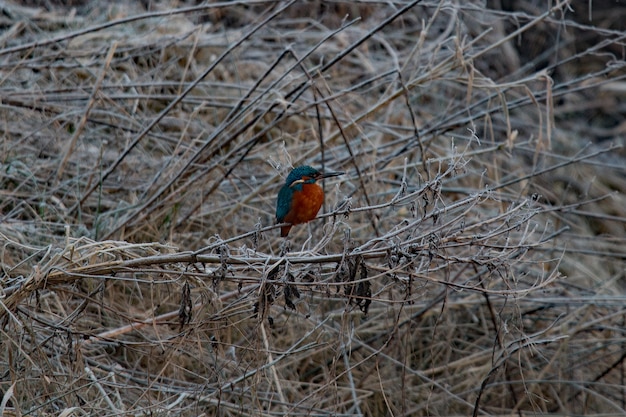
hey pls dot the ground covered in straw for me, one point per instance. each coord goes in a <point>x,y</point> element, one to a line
<point>470,261</point>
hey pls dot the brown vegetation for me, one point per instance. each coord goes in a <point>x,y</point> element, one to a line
<point>470,261</point>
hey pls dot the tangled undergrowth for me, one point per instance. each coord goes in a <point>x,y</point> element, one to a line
<point>469,261</point>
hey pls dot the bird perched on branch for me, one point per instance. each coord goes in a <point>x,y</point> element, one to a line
<point>301,197</point>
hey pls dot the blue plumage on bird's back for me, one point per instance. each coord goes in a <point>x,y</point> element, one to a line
<point>285,196</point>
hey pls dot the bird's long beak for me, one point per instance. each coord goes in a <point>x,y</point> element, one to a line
<point>330,174</point>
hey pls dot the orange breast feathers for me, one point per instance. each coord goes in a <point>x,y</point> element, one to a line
<point>305,204</point>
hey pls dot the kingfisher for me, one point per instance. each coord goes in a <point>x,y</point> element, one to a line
<point>301,197</point>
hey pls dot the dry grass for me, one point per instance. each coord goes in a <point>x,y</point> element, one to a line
<point>470,261</point>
